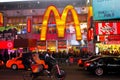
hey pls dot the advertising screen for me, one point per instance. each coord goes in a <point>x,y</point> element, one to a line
<point>106,9</point>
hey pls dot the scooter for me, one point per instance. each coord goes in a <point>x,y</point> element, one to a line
<point>50,69</point>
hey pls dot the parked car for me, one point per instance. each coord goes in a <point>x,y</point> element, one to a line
<point>82,60</point>
<point>103,64</point>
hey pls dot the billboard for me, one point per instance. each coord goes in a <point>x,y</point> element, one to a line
<point>106,28</point>
<point>106,9</point>
<point>60,21</point>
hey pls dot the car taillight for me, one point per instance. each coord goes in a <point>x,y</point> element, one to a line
<point>87,64</point>
<point>80,61</point>
<point>2,62</point>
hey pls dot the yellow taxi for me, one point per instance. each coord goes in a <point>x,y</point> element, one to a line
<point>15,63</point>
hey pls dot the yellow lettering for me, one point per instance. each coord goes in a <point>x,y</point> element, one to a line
<point>60,21</point>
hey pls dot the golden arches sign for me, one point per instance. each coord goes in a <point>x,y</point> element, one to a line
<point>60,21</point>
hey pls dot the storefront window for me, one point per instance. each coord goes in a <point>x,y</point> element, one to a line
<point>62,44</point>
<point>36,29</point>
<point>41,45</point>
<point>19,23</point>
<point>51,45</point>
<point>52,28</point>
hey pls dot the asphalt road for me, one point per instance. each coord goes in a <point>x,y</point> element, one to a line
<point>73,73</point>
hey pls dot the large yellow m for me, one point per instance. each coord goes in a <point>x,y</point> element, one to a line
<point>60,21</point>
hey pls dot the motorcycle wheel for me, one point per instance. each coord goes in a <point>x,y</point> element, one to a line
<point>57,76</point>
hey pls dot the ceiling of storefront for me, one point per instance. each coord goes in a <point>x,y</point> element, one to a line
<point>40,4</point>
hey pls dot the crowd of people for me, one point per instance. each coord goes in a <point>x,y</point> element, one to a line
<point>58,55</point>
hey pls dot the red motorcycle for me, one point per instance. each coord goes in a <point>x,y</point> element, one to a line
<point>48,67</point>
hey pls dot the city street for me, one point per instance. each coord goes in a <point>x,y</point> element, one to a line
<point>73,73</point>
<point>49,37</point>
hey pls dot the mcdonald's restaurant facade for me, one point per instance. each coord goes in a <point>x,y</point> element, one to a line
<point>30,24</point>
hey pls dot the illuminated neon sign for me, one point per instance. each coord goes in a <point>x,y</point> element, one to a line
<point>29,25</point>
<point>60,21</point>
<point>1,19</point>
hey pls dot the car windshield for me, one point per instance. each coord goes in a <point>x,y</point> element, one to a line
<point>92,57</point>
<point>95,58</point>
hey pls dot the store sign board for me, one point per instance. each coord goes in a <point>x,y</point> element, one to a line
<point>60,21</point>
<point>109,38</point>
<point>113,38</point>
<point>106,28</point>
<point>112,42</point>
<point>6,44</point>
<point>102,9</point>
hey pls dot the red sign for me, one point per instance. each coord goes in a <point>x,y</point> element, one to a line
<point>113,38</point>
<point>6,44</point>
<point>101,38</point>
<point>90,34</point>
<point>113,42</point>
<point>29,25</point>
<point>109,38</point>
<point>107,28</point>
